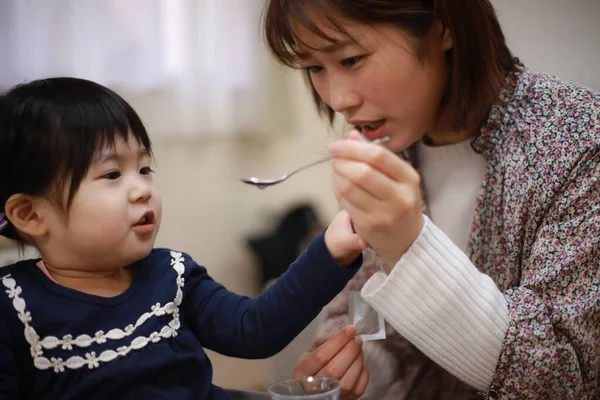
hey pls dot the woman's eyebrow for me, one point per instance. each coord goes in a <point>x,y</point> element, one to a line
<point>329,48</point>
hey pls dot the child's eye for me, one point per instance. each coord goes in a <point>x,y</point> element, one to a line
<point>146,171</point>
<point>313,69</point>
<point>351,62</point>
<point>113,175</point>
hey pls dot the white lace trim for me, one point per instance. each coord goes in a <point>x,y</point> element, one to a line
<point>91,360</point>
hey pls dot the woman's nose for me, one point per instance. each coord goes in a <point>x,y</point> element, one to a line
<point>343,97</point>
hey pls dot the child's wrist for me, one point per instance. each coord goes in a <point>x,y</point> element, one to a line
<point>347,260</point>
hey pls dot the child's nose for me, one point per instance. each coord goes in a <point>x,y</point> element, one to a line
<point>140,192</point>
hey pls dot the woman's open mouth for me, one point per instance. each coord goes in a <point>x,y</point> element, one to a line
<point>374,130</point>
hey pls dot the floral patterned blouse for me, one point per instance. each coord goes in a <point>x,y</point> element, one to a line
<point>536,233</point>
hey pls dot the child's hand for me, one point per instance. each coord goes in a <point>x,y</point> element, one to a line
<point>343,244</point>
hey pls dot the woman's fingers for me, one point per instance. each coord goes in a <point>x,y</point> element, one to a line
<point>311,363</point>
<point>361,386</point>
<point>351,378</point>
<point>317,342</point>
<point>361,176</point>
<point>377,156</point>
<point>359,389</point>
<point>343,361</point>
<point>339,357</point>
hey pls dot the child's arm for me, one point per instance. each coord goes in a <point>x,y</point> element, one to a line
<point>241,327</point>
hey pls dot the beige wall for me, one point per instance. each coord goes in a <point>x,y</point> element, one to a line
<point>208,212</point>
<point>559,37</point>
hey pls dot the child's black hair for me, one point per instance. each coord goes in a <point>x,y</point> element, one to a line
<point>50,130</point>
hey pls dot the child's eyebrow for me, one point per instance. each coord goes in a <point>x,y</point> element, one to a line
<point>112,155</point>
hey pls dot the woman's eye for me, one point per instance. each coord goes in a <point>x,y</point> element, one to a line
<point>146,171</point>
<point>113,175</point>
<point>351,62</point>
<point>313,69</point>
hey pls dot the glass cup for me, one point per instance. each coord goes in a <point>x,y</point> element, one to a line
<point>306,387</point>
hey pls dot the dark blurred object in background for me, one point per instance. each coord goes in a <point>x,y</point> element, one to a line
<point>276,250</point>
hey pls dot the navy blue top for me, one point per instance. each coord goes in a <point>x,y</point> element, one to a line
<point>147,343</point>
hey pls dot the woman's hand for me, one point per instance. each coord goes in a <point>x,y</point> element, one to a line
<point>380,192</point>
<point>339,357</point>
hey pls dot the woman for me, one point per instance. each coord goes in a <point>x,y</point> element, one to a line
<point>484,232</point>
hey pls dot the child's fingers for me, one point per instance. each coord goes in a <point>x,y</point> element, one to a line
<point>362,244</point>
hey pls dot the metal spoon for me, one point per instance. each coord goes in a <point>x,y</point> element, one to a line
<point>264,183</point>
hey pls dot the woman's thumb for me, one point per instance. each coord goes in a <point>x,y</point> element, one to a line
<point>355,135</point>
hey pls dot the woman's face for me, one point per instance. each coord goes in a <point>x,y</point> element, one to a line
<point>378,82</point>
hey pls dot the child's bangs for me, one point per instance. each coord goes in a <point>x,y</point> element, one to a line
<point>280,37</point>
<point>89,125</point>
<point>113,125</point>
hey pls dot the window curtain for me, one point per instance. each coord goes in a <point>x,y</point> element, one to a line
<point>190,67</point>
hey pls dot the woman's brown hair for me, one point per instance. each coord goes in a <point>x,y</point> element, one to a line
<point>477,63</point>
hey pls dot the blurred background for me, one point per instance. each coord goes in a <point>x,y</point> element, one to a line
<point>218,109</point>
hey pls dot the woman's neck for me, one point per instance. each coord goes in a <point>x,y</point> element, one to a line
<point>447,138</point>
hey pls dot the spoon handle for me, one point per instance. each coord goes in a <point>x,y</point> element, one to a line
<point>377,141</point>
<point>309,165</point>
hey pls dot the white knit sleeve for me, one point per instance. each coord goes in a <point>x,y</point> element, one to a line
<point>437,299</point>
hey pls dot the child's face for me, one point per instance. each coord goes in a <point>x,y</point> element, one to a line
<point>380,78</point>
<point>115,215</point>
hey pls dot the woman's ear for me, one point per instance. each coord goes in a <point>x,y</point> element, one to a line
<point>444,34</point>
<point>26,214</point>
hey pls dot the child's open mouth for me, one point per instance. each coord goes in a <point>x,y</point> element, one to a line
<point>145,225</point>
